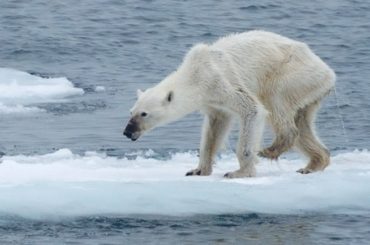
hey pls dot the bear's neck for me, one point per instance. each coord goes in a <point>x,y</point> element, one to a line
<point>185,94</point>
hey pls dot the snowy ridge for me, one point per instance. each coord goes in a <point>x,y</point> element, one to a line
<point>65,184</point>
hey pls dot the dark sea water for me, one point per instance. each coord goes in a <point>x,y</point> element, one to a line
<point>220,229</point>
<point>126,45</point>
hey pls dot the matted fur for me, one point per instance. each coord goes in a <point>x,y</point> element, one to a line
<point>250,76</point>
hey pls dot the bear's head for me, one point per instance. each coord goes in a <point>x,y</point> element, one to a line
<point>153,108</point>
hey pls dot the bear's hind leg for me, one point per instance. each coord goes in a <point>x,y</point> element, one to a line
<point>309,143</point>
<point>286,134</point>
<point>215,127</point>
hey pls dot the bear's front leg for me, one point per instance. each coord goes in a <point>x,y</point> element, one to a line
<point>251,129</point>
<point>215,127</point>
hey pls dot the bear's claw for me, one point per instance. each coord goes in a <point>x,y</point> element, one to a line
<point>305,171</point>
<point>227,175</point>
<point>199,172</point>
<point>193,172</point>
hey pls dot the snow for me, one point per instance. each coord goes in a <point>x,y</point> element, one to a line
<point>63,184</point>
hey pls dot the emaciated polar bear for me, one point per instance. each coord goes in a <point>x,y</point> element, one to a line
<point>253,76</point>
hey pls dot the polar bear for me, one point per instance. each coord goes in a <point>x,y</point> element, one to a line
<point>252,76</point>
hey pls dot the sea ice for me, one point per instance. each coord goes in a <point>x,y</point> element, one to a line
<point>19,90</point>
<point>66,184</point>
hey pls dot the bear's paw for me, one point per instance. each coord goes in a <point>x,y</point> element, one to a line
<point>199,172</point>
<point>241,174</point>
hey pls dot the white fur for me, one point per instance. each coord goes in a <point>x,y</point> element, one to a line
<point>249,76</point>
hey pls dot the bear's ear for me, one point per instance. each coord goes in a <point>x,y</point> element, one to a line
<point>139,93</point>
<point>170,96</point>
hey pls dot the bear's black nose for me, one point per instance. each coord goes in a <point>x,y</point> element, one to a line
<point>127,134</point>
<point>130,129</point>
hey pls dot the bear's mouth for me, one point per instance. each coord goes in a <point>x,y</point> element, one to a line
<point>133,136</point>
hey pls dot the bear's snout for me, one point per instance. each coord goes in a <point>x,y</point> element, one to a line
<point>132,130</point>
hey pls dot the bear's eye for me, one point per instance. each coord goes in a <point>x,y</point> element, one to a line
<point>144,114</point>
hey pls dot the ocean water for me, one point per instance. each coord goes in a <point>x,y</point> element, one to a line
<point>69,71</point>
